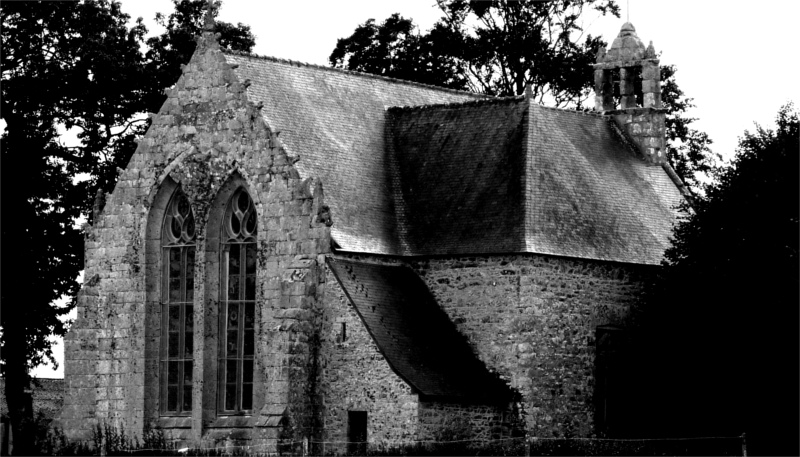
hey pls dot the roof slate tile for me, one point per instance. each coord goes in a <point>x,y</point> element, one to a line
<point>457,173</point>
<point>334,120</point>
<point>589,196</point>
<point>459,176</point>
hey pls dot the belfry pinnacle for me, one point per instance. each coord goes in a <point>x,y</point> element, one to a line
<point>209,23</point>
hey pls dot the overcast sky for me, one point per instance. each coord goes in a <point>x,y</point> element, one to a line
<point>738,60</point>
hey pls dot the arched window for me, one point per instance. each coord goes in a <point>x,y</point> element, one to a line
<point>237,313</point>
<point>177,297</point>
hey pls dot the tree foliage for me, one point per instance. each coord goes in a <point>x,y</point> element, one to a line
<point>395,49</point>
<point>168,51</point>
<point>498,47</point>
<point>494,47</point>
<point>723,314</point>
<point>504,45</point>
<point>688,150</point>
<point>70,66</point>
<point>74,65</point>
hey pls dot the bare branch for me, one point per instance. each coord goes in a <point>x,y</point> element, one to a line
<point>128,125</point>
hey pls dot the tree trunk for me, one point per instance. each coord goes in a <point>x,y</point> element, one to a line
<point>18,276</point>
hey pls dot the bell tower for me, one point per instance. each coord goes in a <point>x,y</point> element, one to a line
<point>627,82</point>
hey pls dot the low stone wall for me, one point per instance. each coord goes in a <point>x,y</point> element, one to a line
<point>47,395</point>
<point>439,421</point>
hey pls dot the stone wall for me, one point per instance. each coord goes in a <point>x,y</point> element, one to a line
<point>47,396</point>
<point>532,318</point>
<point>209,140</point>
<point>354,376</point>
<point>646,128</point>
<point>443,421</point>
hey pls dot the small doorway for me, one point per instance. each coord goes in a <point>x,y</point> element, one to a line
<point>357,432</point>
<point>612,391</point>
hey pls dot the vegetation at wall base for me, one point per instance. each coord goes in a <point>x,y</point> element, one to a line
<point>112,441</point>
<point>567,447</point>
<point>516,447</point>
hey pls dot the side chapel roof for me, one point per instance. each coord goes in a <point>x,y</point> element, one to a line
<point>415,336</point>
<point>410,169</point>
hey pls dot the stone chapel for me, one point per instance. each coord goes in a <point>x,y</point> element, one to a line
<point>297,252</point>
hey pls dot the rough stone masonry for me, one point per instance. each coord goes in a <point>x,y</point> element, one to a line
<point>429,263</point>
<point>207,139</point>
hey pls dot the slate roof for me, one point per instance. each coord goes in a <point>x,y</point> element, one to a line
<point>334,121</point>
<point>589,197</point>
<point>458,176</point>
<point>511,176</point>
<point>415,336</point>
<point>456,173</point>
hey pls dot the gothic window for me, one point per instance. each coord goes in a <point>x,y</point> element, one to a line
<point>177,352</point>
<point>237,313</point>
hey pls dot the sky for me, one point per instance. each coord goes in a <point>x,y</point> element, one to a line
<point>737,60</point>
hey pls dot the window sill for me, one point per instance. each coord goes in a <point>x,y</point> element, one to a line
<point>175,422</point>
<point>232,422</point>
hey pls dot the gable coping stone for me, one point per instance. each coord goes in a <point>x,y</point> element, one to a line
<point>352,72</point>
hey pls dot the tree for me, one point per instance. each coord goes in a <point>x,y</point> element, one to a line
<point>723,313</point>
<point>513,44</point>
<point>70,65</point>
<point>63,64</point>
<point>498,47</point>
<point>688,149</point>
<point>504,45</point>
<point>396,49</point>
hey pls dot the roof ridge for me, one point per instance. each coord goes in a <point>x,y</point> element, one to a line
<point>351,72</point>
<point>586,111</point>
<point>481,101</point>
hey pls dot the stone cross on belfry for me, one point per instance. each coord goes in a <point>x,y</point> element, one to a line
<point>208,25</point>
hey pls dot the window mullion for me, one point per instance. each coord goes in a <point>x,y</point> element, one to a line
<point>242,292</point>
<point>163,346</point>
<point>182,327</point>
<point>223,353</point>
<point>239,358</point>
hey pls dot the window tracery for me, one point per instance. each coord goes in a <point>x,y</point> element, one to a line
<point>237,329</point>
<point>177,351</point>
